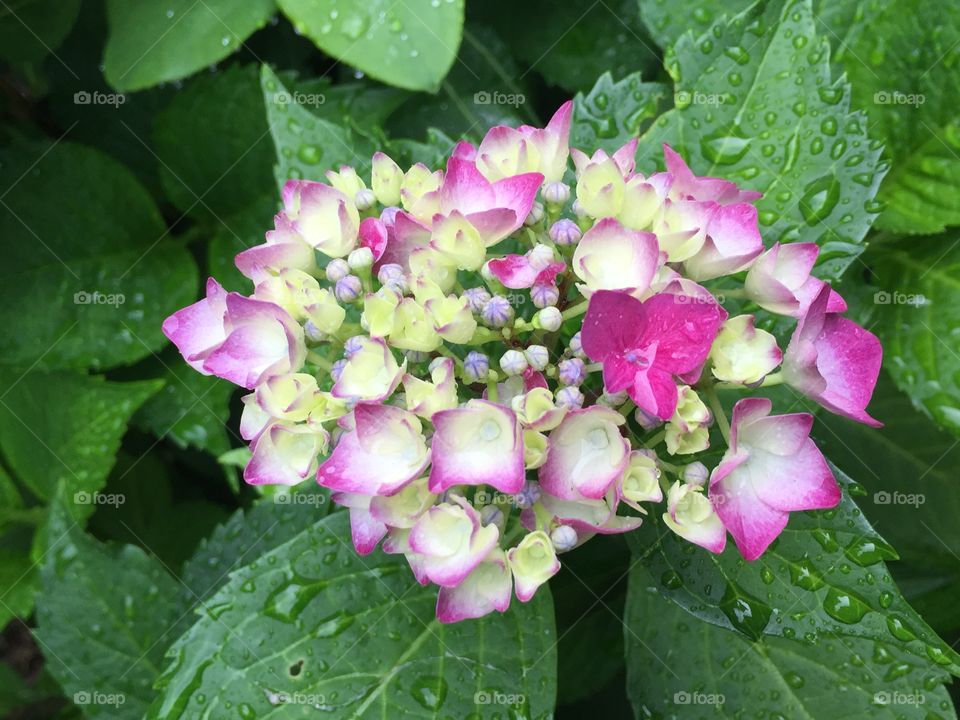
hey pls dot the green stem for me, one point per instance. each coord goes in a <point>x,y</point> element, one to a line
<point>319,360</point>
<point>575,310</point>
<point>655,440</point>
<point>718,413</point>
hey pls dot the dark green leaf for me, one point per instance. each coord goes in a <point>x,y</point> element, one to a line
<point>408,43</point>
<point>614,112</point>
<point>31,29</point>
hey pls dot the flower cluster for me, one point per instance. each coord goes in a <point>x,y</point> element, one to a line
<point>491,363</point>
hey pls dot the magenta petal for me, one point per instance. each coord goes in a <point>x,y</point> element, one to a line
<point>613,323</point>
<point>513,271</point>
<point>655,392</point>
<point>517,193</point>
<point>464,150</point>
<point>682,328</point>
<point>373,235</point>
<point>753,524</point>
<point>849,357</point>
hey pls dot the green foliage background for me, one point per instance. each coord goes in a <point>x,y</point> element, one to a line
<point>141,147</point>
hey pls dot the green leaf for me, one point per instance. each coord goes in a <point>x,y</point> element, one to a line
<point>104,617</point>
<point>191,409</point>
<point>756,103</point>
<point>902,66</point>
<point>152,42</point>
<point>85,243</point>
<point>311,621</point>
<point>683,669</point>
<point>570,43</point>
<point>307,145</point>
<point>62,427</point>
<point>433,152</point>
<point>407,43</point>
<point>917,313</point>
<point>31,29</point>
<point>214,147</point>
<point>237,233</point>
<point>824,579</point>
<point>18,583</point>
<point>614,112</point>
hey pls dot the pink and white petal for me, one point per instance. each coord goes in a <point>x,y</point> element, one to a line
<point>373,235</point>
<point>249,354</point>
<point>778,434</point>
<point>365,531</point>
<point>747,411</point>
<point>513,271</point>
<point>464,150</point>
<point>753,523</point>
<point>849,357</point>
<point>655,392</point>
<point>803,481</point>
<point>517,193</point>
<point>451,570</point>
<point>403,237</point>
<point>495,224</point>
<point>488,588</point>
<point>198,328</point>
<point>465,189</point>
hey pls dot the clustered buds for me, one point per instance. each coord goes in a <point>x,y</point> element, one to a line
<point>489,364</point>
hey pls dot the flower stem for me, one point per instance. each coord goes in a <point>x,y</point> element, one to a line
<point>575,311</point>
<point>718,413</point>
<point>655,440</point>
<point>319,360</point>
<point>768,381</point>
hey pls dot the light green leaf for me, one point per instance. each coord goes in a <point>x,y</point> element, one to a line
<point>680,668</point>
<point>614,112</point>
<point>433,152</point>
<point>407,43</point>
<point>756,103</point>
<point>824,577</point>
<point>311,621</point>
<point>32,29</point>
<point>917,315</point>
<point>62,427</point>
<point>152,42</point>
<point>307,145</point>
<point>84,242</point>
<point>214,146</point>
<point>104,616</point>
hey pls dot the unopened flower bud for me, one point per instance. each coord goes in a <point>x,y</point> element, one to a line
<point>337,269</point>
<point>576,347</point>
<point>312,332</point>
<point>549,319</point>
<point>535,216</point>
<point>537,356</point>
<point>544,295</point>
<point>390,273</point>
<point>476,298</point>
<point>364,199</point>
<point>492,515</point>
<point>696,473</point>
<point>348,288</point>
<point>613,399</point>
<point>497,311</point>
<point>360,258</point>
<point>563,537</point>
<point>540,257</point>
<point>565,232</point>
<point>475,367</point>
<point>337,368</point>
<point>528,495</point>
<point>556,193</point>
<point>353,345</point>
<point>513,362</point>
<point>570,397</point>
<point>646,420</point>
<point>578,209</point>
<point>572,371</point>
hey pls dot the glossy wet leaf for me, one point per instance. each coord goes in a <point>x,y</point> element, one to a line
<point>152,42</point>
<point>306,144</point>
<point>680,668</point>
<point>312,622</point>
<point>757,102</point>
<point>408,43</point>
<point>825,576</point>
<point>86,243</point>
<point>104,618</point>
<point>64,427</point>
<point>613,112</point>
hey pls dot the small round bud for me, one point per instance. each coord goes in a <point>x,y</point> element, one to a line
<point>537,356</point>
<point>337,368</point>
<point>540,257</point>
<point>337,269</point>
<point>563,538</point>
<point>475,367</point>
<point>360,258</point>
<point>696,473</point>
<point>556,193</point>
<point>544,295</point>
<point>613,399</point>
<point>646,420</point>
<point>364,199</point>
<point>353,345</point>
<point>578,209</point>
<point>549,319</point>
<point>390,272</point>
<point>476,298</point>
<point>572,371</point>
<point>535,216</point>
<point>492,515</point>
<point>497,311</point>
<point>312,332</point>
<point>576,347</point>
<point>435,363</point>
<point>348,288</point>
<point>528,495</point>
<point>416,356</point>
<point>513,362</point>
<point>565,232</point>
<point>570,397</point>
